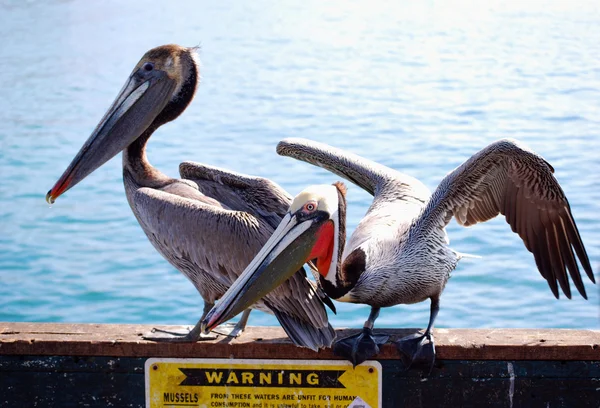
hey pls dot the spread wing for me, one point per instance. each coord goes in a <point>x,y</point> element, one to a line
<point>397,197</point>
<point>382,182</point>
<point>508,178</point>
<point>196,233</point>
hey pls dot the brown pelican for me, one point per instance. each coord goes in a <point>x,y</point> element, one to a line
<point>399,252</point>
<point>210,223</point>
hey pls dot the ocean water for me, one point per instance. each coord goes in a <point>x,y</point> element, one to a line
<point>418,86</point>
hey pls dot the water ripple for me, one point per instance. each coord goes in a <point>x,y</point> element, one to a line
<point>417,86</point>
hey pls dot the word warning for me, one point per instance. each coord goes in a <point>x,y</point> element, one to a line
<point>220,383</point>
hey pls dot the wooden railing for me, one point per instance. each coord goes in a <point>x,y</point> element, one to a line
<point>62,365</point>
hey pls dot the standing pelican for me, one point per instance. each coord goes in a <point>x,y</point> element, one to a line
<point>399,252</point>
<point>210,223</point>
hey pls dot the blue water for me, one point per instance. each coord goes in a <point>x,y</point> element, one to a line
<point>417,86</point>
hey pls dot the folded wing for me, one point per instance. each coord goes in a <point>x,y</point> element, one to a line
<point>198,235</point>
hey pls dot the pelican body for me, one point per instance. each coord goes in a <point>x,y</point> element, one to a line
<point>399,252</point>
<point>210,223</point>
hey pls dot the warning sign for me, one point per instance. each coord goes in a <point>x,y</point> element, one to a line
<point>221,383</point>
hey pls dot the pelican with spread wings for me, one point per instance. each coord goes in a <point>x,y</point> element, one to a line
<point>399,252</point>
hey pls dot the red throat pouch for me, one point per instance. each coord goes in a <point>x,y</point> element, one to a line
<point>323,248</point>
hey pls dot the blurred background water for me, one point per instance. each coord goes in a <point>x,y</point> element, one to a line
<point>416,85</point>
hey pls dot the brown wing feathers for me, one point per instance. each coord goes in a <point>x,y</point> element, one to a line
<point>508,179</point>
<point>538,211</point>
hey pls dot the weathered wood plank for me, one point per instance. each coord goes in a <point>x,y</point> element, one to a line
<point>494,384</point>
<point>118,340</point>
<point>70,381</point>
<point>58,381</point>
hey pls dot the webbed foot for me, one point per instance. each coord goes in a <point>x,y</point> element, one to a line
<point>229,330</point>
<point>360,347</point>
<point>183,335</point>
<point>190,336</point>
<point>417,349</point>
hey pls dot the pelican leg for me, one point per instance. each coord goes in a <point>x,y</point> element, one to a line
<point>362,346</point>
<point>420,348</point>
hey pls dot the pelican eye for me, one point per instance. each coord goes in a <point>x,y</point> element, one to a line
<point>311,206</point>
<point>148,66</point>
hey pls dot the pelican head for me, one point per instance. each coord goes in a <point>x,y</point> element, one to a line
<point>312,229</point>
<point>160,87</point>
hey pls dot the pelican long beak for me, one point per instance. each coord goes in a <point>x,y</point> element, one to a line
<point>291,246</point>
<point>143,97</point>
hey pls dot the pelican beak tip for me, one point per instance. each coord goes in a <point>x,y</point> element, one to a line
<point>49,198</point>
<point>207,324</point>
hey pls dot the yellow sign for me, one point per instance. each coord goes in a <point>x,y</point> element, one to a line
<point>222,383</point>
